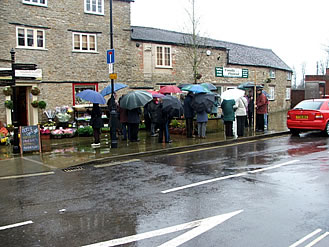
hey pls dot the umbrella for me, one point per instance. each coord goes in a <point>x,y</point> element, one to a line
<point>135,99</point>
<point>209,86</point>
<point>232,94</point>
<point>183,85</point>
<point>170,89</point>
<point>155,94</point>
<point>195,88</point>
<point>248,85</point>
<point>203,102</point>
<point>172,106</point>
<point>92,96</point>
<point>117,86</point>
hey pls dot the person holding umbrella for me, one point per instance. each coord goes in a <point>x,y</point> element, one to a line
<point>97,123</point>
<point>189,114</point>
<point>133,123</point>
<point>202,119</point>
<point>228,108</point>
<point>261,109</point>
<point>241,115</point>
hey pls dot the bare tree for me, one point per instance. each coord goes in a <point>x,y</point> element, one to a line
<point>294,78</point>
<point>194,42</point>
<point>303,69</point>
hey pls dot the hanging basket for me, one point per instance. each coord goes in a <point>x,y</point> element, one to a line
<point>9,104</point>
<point>35,91</point>
<point>7,91</point>
<point>35,103</point>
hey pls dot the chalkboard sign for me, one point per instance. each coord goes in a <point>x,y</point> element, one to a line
<point>30,138</point>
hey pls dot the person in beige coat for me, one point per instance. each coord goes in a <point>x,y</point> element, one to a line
<point>241,115</point>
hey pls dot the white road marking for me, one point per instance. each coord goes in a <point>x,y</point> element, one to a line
<point>40,163</point>
<point>305,238</point>
<point>315,241</point>
<point>116,163</point>
<point>201,227</point>
<point>16,225</point>
<point>27,175</point>
<point>227,177</point>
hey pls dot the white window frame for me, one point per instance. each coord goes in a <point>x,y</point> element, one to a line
<point>289,76</point>
<point>272,73</point>
<point>36,2</point>
<point>97,3</point>
<point>271,93</point>
<point>163,47</point>
<point>88,42</point>
<point>288,93</point>
<point>35,38</point>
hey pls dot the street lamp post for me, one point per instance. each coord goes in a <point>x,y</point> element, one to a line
<point>113,110</point>
<point>16,148</point>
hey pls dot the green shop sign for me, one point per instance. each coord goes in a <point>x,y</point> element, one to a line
<point>231,72</point>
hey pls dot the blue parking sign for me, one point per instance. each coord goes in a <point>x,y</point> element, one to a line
<point>110,56</point>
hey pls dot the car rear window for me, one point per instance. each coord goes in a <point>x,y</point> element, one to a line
<point>309,105</point>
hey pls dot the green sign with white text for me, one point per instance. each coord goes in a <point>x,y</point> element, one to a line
<point>231,72</point>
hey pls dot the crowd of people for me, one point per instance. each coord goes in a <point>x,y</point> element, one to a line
<point>157,120</point>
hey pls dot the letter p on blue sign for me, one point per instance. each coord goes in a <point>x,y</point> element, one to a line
<point>110,56</point>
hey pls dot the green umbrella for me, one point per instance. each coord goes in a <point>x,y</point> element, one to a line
<point>135,99</point>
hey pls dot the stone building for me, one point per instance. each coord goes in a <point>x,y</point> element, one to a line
<point>68,41</point>
<point>224,64</point>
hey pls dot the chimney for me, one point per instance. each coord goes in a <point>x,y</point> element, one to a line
<point>327,71</point>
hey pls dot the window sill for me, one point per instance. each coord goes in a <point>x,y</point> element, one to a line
<point>91,52</point>
<point>163,67</point>
<point>93,13</point>
<point>36,4</point>
<point>31,48</point>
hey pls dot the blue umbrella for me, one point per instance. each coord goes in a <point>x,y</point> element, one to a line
<point>92,96</point>
<point>209,86</point>
<point>117,86</point>
<point>195,88</point>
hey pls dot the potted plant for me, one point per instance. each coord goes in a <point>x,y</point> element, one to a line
<point>9,104</point>
<point>42,104</point>
<point>7,91</point>
<point>45,133</point>
<point>35,103</point>
<point>35,91</point>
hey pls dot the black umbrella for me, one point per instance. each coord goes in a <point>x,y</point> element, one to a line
<point>203,102</point>
<point>172,106</point>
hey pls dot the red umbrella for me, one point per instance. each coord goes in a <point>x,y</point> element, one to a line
<point>170,89</point>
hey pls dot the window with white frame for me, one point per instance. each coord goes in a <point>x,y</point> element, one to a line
<point>272,73</point>
<point>30,38</point>
<point>289,76</point>
<point>84,42</point>
<point>288,93</point>
<point>94,7</point>
<point>271,93</point>
<point>36,2</point>
<point>163,56</point>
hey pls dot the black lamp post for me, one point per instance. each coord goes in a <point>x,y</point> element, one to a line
<point>113,110</point>
<point>16,148</point>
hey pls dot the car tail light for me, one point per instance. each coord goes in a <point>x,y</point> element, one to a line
<point>288,116</point>
<point>318,116</point>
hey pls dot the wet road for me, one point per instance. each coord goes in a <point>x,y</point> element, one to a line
<point>270,192</point>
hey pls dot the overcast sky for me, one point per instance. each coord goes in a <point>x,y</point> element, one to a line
<point>296,30</point>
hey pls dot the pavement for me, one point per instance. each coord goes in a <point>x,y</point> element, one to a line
<point>69,153</point>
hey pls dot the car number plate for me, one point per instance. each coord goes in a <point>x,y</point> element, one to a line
<point>301,117</point>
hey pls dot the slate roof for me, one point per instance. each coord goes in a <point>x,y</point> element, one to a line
<point>238,54</point>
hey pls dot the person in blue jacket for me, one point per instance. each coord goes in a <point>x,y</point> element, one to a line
<point>189,114</point>
<point>202,119</point>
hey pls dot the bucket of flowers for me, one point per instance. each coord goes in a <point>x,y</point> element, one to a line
<point>45,133</point>
<point>57,134</point>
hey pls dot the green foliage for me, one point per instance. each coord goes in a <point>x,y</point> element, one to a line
<point>42,104</point>
<point>9,104</point>
<point>85,131</point>
<point>35,103</point>
<point>7,91</point>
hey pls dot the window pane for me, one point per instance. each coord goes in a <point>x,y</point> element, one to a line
<point>99,6</point>
<point>30,37</point>
<point>40,39</point>
<point>94,5</point>
<point>92,43</point>
<point>76,42</point>
<point>34,1</point>
<point>21,38</point>
<point>84,42</point>
<point>43,1</point>
<point>88,5</point>
<point>159,56</point>
<point>167,56</point>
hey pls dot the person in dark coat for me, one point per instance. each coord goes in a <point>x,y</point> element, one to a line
<point>152,110</point>
<point>162,119</point>
<point>123,117</point>
<point>97,123</point>
<point>133,123</point>
<point>261,109</point>
<point>189,114</point>
<point>250,108</point>
<point>228,107</point>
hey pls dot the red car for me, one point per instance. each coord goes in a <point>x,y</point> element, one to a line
<point>312,114</point>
